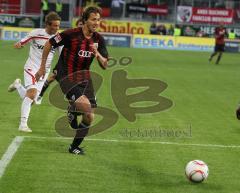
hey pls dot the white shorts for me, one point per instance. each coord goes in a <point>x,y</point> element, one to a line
<point>30,81</point>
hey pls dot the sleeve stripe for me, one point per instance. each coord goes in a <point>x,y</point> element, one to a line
<point>34,37</point>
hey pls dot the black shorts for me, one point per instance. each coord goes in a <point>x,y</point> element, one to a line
<point>219,48</point>
<point>74,91</point>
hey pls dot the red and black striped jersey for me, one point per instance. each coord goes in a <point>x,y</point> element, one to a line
<point>219,35</point>
<point>77,53</point>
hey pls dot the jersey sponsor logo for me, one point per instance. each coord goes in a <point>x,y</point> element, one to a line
<point>57,38</point>
<point>40,47</point>
<point>85,54</point>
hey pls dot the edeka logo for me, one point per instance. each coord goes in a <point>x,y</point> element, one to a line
<point>85,54</point>
<point>154,42</point>
<point>13,35</point>
<point>125,104</point>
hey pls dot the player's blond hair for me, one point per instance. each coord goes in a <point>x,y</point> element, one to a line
<point>52,16</point>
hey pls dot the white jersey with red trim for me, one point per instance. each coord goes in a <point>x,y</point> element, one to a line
<point>37,39</point>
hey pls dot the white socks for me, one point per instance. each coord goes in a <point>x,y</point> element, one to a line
<point>25,111</point>
<point>21,90</point>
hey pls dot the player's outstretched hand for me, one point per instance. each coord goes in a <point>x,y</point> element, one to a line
<point>18,45</point>
<point>40,73</point>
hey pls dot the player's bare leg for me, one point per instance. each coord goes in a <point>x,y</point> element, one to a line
<point>212,55</point>
<point>49,80</point>
<point>26,108</point>
<point>82,105</point>
<point>219,57</point>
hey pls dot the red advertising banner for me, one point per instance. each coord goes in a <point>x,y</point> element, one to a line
<point>189,14</point>
<point>157,9</point>
<point>148,9</point>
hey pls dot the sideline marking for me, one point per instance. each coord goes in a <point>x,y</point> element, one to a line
<point>8,155</point>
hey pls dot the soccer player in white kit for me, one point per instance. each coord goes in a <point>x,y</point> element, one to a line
<point>31,89</point>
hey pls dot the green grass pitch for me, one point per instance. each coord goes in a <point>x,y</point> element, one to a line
<point>204,97</point>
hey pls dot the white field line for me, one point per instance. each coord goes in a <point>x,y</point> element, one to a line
<point>8,155</point>
<point>142,142</point>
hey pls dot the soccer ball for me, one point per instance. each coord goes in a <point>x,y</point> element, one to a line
<point>196,171</point>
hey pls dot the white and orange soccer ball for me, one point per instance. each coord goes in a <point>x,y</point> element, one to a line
<point>196,171</point>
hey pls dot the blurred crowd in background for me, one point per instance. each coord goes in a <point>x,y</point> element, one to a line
<point>166,17</point>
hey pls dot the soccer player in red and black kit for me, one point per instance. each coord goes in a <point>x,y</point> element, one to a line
<point>219,43</point>
<point>81,45</point>
<point>52,77</point>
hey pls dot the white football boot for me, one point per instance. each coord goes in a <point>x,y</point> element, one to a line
<point>12,87</point>
<point>25,129</point>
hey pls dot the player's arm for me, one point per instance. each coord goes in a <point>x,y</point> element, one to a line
<point>25,40</point>
<point>101,54</point>
<point>18,45</point>
<point>41,72</point>
<point>56,41</point>
<point>102,61</point>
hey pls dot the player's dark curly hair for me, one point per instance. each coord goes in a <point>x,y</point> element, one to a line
<point>52,16</point>
<point>88,11</point>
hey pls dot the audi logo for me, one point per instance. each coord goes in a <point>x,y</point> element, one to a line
<point>85,54</point>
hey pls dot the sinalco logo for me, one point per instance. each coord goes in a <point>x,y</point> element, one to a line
<point>85,54</point>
